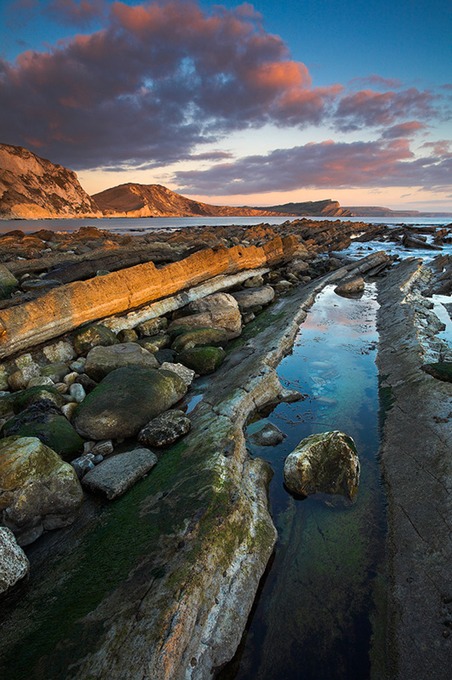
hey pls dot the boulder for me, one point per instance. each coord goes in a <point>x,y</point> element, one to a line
<point>127,335</point>
<point>49,425</point>
<point>38,491</point>
<point>8,282</point>
<point>95,335</point>
<point>59,352</point>
<point>199,337</point>
<point>219,310</point>
<point>254,297</point>
<point>187,374</point>
<point>353,286</point>
<point>125,400</point>
<point>203,360</point>
<point>441,370</point>
<point>114,476</point>
<point>326,462</point>
<point>55,371</point>
<point>152,326</point>
<point>155,342</point>
<point>14,564</point>
<point>102,360</point>
<point>267,435</point>
<point>37,395</point>
<point>164,430</point>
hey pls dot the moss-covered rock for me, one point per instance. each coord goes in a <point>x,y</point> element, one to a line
<point>441,370</point>
<point>50,427</point>
<point>34,395</point>
<point>199,337</point>
<point>154,343</point>
<point>96,334</point>
<point>8,282</point>
<point>125,401</point>
<point>38,490</point>
<point>326,462</point>
<point>56,371</point>
<point>102,360</point>
<point>203,360</point>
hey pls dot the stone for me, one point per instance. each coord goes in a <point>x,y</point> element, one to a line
<point>104,448</point>
<point>297,268</point>
<point>441,370</point>
<point>155,342</point>
<point>352,287</point>
<point>165,356</point>
<point>125,400</point>
<point>38,491</point>
<point>254,282</point>
<point>152,326</point>
<point>77,392</point>
<point>40,381</point>
<point>283,286</point>
<point>79,365</point>
<point>199,337</point>
<point>35,395</point>
<point>14,564</point>
<point>8,282</point>
<point>127,335</point>
<point>83,464</point>
<point>4,385</point>
<point>68,410</point>
<point>219,310</point>
<point>87,383</point>
<point>248,300</point>
<point>102,360</point>
<point>56,371</point>
<point>70,378</point>
<point>95,335</point>
<point>59,352</point>
<point>267,435</point>
<point>203,360</point>
<point>326,462</point>
<point>164,430</point>
<point>49,425</point>
<point>114,476</point>
<point>187,374</point>
<point>27,369</point>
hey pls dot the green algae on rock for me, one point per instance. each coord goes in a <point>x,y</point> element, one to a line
<point>203,360</point>
<point>441,370</point>
<point>94,335</point>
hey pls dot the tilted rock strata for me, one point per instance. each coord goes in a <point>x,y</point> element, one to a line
<point>69,306</point>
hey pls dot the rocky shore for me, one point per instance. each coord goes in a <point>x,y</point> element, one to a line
<point>148,525</point>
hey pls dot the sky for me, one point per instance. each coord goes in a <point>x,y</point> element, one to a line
<point>257,103</point>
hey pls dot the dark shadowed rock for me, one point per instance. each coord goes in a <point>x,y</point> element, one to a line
<point>114,476</point>
<point>102,360</point>
<point>441,370</point>
<point>125,401</point>
<point>325,462</point>
<point>166,429</point>
<point>91,336</point>
<point>267,435</point>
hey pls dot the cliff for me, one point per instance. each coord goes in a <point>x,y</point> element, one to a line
<point>326,208</point>
<point>155,200</point>
<point>32,187</point>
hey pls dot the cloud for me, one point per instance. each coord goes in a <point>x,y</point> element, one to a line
<point>368,108</point>
<point>375,80</point>
<point>404,129</point>
<point>328,164</point>
<point>158,80</point>
<point>75,12</point>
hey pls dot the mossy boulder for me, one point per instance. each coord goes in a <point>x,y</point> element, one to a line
<point>96,334</point>
<point>8,282</point>
<point>203,360</point>
<point>102,360</point>
<point>51,427</point>
<point>441,370</point>
<point>38,491</point>
<point>34,395</point>
<point>326,462</point>
<point>154,343</point>
<point>199,337</point>
<point>125,401</point>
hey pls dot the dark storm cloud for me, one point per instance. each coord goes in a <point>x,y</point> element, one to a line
<point>329,164</point>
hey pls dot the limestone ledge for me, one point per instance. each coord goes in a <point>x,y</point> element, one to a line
<point>64,308</point>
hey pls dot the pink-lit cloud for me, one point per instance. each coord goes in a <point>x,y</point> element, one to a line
<point>328,164</point>
<point>160,79</point>
<point>407,129</point>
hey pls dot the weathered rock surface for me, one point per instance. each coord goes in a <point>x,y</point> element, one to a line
<point>353,286</point>
<point>166,429</point>
<point>8,282</point>
<point>199,337</point>
<point>38,490</point>
<point>219,310</point>
<point>102,360</point>
<point>187,374</point>
<point>440,370</point>
<point>326,463</point>
<point>114,476</point>
<point>125,401</point>
<point>267,435</point>
<point>95,335</point>
<point>14,564</point>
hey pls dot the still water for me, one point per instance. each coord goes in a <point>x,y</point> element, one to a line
<point>313,617</point>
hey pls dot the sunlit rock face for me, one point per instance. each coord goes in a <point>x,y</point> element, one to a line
<point>33,187</point>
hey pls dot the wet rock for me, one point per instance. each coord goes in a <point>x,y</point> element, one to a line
<point>267,435</point>
<point>203,360</point>
<point>352,287</point>
<point>102,360</point>
<point>14,564</point>
<point>187,374</point>
<point>125,400</point>
<point>50,426</point>
<point>79,365</point>
<point>104,448</point>
<point>39,284</point>
<point>165,355</point>
<point>83,464</point>
<point>440,370</point>
<point>297,268</point>
<point>248,300</point>
<point>91,336</point>
<point>164,430</point>
<point>70,378</point>
<point>114,476</point>
<point>38,491</point>
<point>326,462</point>
<point>199,337</point>
<point>219,310</point>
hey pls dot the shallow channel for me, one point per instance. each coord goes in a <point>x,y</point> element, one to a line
<point>313,618</point>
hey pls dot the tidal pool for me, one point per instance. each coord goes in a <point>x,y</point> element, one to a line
<point>313,618</point>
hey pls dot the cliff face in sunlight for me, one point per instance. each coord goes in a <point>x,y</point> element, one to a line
<point>155,200</point>
<point>326,208</point>
<point>33,187</point>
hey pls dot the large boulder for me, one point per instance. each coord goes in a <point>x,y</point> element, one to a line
<point>37,395</point>
<point>326,462</point>
<point>125,400</point>
<point>199,337</point>
<point>219,310</point>
<point>102,360</point>
<point>203,360</point>
<point>114,476</point>
<point>252,298</point>
<point>38,491</point>
<point>49,425</point>
<point>166,429</point>
<point>14,564</point>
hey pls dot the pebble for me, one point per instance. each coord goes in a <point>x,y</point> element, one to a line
<point>103,448</point>
<point>77,391</point>
<point>70,378</point>
<point>78,365</point>
<point>68,409</point>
